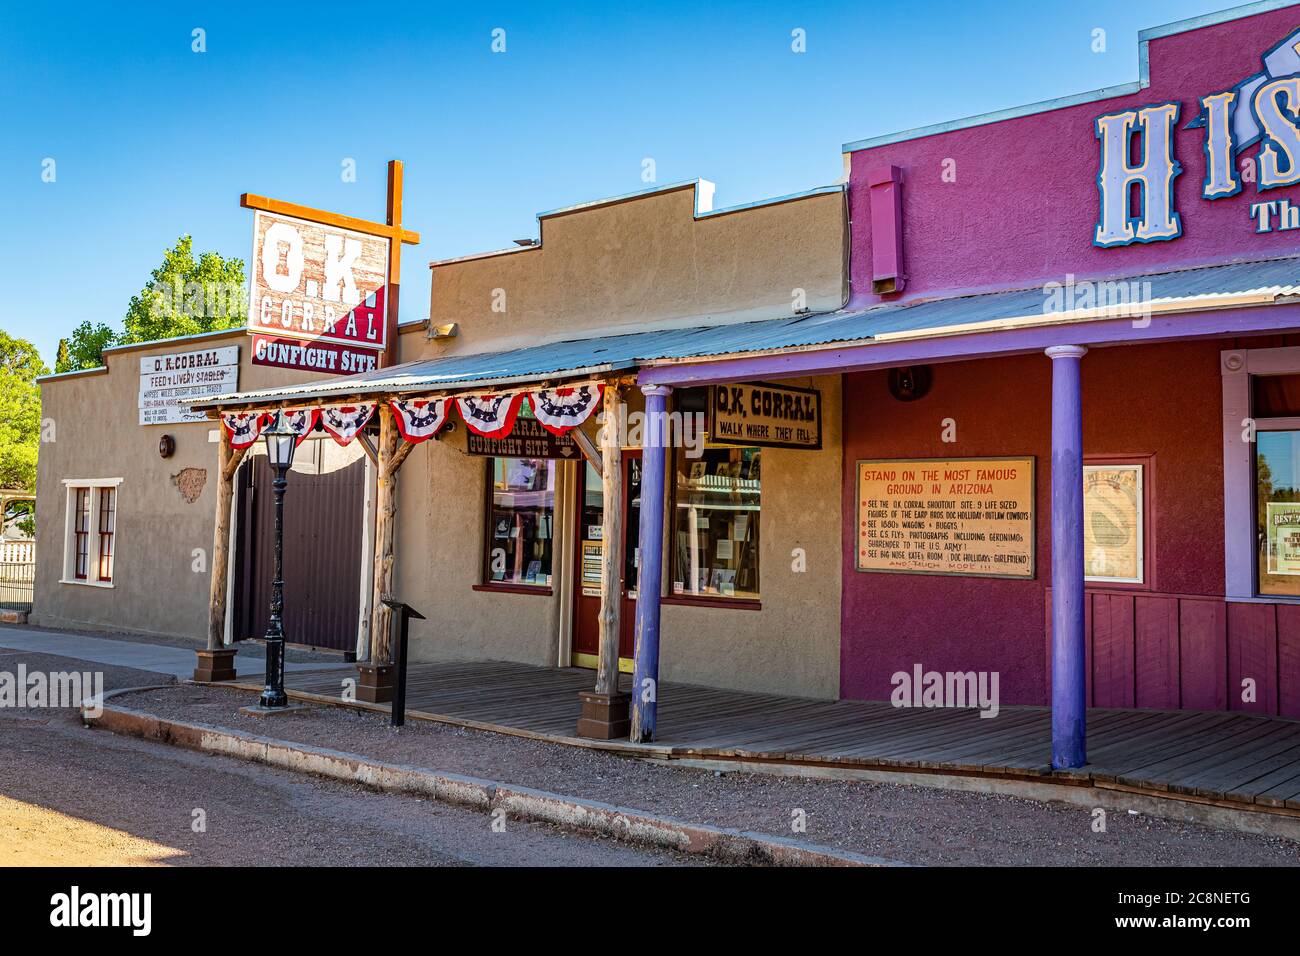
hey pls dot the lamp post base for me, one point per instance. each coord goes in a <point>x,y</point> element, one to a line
<point>375,683</point>
<point>215,665</point>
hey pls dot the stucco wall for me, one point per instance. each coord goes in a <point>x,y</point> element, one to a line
<point>440,540</point>
<point>1015,203</point>
<point>1159,400</point>
<point>97,434</point>
<point>637,263</point>
<point>791,645</point>
<point>645,262</point>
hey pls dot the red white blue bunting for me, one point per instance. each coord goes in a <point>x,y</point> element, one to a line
<point>561,410</point>
<point>492,416</point>
<point>301,421</point>
<point>244,427</point>
<point>345,422</point>
<point>420,419</point>
<point>558,410</point>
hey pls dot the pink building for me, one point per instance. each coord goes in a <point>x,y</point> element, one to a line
<point>1072,389</point>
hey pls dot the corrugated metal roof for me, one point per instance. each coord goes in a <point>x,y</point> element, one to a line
<point>1265,281</point>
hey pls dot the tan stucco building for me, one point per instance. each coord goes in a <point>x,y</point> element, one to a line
<point>657,260</point>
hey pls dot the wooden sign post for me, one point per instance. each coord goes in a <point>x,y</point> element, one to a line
<point>391,230</point>
<point>331,260</point>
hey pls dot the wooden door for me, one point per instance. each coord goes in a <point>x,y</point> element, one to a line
<point>322,548</point>
<point>586,605</point>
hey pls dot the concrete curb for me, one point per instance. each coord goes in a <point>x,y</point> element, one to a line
<point>520,803</point>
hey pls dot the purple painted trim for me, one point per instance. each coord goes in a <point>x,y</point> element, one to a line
<point>1069,657</point>
<point>650,574</point>
<point>949,348</point>
<point>1238,480</point>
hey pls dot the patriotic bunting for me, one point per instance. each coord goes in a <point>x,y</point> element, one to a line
<point>301,421</point>
<point>562,409</point>
<point>243,427</point>
<point>345,422</point>
<point>558,410</point>
<point>419,419</point>
<point>492,416</point>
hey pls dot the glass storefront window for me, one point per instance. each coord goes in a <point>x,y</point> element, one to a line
<point>521,522</point>
<point>715,523</point>
<point>1277,501</point>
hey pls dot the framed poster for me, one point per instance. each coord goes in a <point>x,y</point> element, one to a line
<point>1114,522</point>
<point>958,516</point>
<point>1283,537</point>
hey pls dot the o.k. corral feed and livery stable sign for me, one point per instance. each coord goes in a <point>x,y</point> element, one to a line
<point>166,380</point>
<point>971,516</point>
<point>317,299</point>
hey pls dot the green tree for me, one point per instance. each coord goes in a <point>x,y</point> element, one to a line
<point>184,296</point>
<point>85,349</point>
<point>20,425</point>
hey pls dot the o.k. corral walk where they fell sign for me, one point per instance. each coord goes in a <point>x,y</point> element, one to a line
<point>776,416</point>
<point>968,516</point>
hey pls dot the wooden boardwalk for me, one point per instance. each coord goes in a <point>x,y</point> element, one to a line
<point>1230,759</point>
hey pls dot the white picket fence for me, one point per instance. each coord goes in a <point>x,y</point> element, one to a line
<point>17,552</point>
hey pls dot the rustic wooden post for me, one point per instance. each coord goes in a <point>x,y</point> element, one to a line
<point>217,662</point>
<point>375,677</point>
<point>605,711</point>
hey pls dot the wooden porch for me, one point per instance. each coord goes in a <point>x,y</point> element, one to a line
<point>1238,760</point>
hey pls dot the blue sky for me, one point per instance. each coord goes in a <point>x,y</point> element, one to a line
<point>152,140</point>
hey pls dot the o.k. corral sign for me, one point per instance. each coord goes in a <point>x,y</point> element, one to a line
<point>167,379</point>
<point>318,298</point>
<point>779,416</point>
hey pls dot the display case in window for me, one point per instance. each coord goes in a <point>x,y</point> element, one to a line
<point>716,508</point>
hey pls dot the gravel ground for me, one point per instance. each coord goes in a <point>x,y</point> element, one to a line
<point>915,824</point>
<point>75,797</point>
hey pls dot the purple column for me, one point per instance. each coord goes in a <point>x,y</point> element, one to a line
<point>645,670</point>
<point>1069,680</point>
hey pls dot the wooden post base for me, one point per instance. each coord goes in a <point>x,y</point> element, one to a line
<point>375,683</point>
<point>215,665</point>
<point>604,716</point>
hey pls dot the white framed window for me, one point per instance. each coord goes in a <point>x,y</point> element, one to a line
<point>90,531</point>
<point>1261,458</point>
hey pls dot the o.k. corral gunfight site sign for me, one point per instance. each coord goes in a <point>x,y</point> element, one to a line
<point>947,516</point>
<point>318,299</point>
<point>324,287</point>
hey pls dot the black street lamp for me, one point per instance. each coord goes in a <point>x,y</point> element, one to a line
<point>280,445</point>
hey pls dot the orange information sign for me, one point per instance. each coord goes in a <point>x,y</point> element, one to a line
<point>971,516</point>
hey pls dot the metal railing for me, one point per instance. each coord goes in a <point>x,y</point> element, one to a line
<point>17,582</point>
